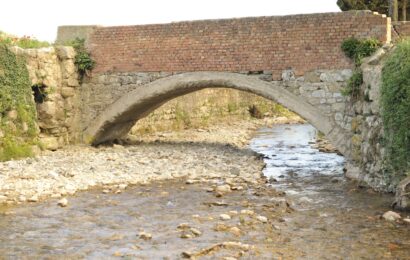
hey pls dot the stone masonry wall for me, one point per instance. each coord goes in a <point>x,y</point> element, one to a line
<point>54,69</point>
<point>367,125</point>
<point>321,88</point>
<point>299,42</point>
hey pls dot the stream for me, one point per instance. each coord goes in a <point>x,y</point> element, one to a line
<point>328,217</point>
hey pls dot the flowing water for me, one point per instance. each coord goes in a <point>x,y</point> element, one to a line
<point>332,218</point>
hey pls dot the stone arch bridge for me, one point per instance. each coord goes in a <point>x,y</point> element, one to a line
<point>294,60</point>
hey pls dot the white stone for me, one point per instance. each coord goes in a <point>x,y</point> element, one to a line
<point>391,216</point>
<point>262,219</point>
<point>224,217</point>
<point>62,202</point>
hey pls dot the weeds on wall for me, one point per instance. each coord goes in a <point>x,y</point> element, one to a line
<point>18,130</point>
<point>395,101</point>
<point>25,42</point>
<point>356,50</point>
<point>83,60</point>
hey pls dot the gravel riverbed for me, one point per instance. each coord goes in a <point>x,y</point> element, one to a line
<point>212,155</point>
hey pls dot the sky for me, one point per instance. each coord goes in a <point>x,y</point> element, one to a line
<point>41,18</point>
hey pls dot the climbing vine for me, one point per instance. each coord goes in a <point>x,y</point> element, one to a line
<point>395,101</point>
<point>18,129</point>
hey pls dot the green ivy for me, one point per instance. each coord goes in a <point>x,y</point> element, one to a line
<point>83,60</point>
<point>15,94</point>
<point>395,101</point>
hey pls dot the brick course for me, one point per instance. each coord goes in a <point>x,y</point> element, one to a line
<point>299,42</point>
<point>402,29</point>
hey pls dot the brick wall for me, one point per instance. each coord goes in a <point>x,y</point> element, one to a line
<point>402,29</point>
<point>300,42</point>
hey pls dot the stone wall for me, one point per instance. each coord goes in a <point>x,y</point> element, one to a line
<point>53,68</point>
<point>299,42</point>
<point>367,125</point>
<point>206,107</point>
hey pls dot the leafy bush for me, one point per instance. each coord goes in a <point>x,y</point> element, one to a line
<point>83,59</point>
<point>395,101</point>
<point>358,49</point>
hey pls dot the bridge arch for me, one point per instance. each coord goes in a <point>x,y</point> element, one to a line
<point>118,118</point>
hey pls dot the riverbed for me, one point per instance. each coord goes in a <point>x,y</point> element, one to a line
<point>222,209</point>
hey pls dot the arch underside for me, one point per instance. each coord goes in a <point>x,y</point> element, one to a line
<point>118,118</point>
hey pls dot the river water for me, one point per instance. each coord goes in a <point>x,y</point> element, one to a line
<point>331,218</point>
<point>334,218</point>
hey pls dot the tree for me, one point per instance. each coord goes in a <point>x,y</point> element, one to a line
<point>390,7</point>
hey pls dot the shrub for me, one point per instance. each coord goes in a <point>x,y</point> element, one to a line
<point>395,101</point>
<point>358,49</point>
<point>83,60</point>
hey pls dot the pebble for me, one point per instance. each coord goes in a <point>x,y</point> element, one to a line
<point>391,216</point>
<point>235,230</point>
<point>106,167</point>
<point>223,188</point>
<point>63,202</point>
<point>186,235</point>
<point>145,236</point>
<point>224,217</point>
<point>34,198</point>
<point>247,212</point>
<point>262,219</point>
<point>196,232</point>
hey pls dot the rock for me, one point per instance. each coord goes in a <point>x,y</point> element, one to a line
<point>62,202</point>
<point>67,92</point>
<point>224,217</point>
<point>223,188</point>
<point>122,186</point>
<point>262,219</point>
<point>183,226</point>
<point>229,258</point>
<point>391,216</point>
<point>406,220</point>
<point>189,181</point>
<point>34,198</point>
<point>288,75</point>
<point>196,232</point>
<point>236,231</point>
<point>50,143</point>
<point>22,198</point>
<point>247,212</point>
<point>65,52</point>
<point>105,191</point>
<point>186,235</point>
<point>145,236</point>
<point>402,198</point>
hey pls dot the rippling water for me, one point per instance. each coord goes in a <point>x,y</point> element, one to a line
<point>334,219</point>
